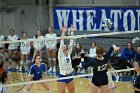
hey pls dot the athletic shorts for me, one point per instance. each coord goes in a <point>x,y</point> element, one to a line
<point>100,79</point>
<point>65,80</point>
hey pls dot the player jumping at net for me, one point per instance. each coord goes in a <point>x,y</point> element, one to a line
<point>99,64</point>
<point>137,68</point>
<point>65,64</point>
<point>38,72</point>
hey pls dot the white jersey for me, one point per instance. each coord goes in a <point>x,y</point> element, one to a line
<point>38,45</point>
<point>92,52</point>
<point>65,64</point>
<point>12,45</point>
<point>4,89</point>
<point>25,47</point>
<point>50,43</point>
<point>1,39</point>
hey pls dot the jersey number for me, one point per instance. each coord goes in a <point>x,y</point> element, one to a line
<point>103,67</point>
<point>67,60</point>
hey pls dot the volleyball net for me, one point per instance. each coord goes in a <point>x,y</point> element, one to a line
<point>102,39</point>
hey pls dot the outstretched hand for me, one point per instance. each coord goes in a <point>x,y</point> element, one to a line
<point>72,28</point>
<point>116,48</point>
<point>64,29</point>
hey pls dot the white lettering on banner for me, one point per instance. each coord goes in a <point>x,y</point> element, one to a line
<point>125,21</point>
<point>76,20</point>
<point>102,17</point>
<point>138,12</point>
<point>116,14</point>
<point>90,21</point>
<point>63,16</point>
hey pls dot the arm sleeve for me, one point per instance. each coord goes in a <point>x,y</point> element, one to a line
<point>89,63</point>
<point>108,54</point>
<point>31,70</point>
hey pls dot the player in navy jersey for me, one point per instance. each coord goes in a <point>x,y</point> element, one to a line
<point>99,64</point>
<point>38,72</point>
<point>137,81</point>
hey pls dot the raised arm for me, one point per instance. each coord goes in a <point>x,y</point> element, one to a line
<point>63,29</point>
<point>112,48</point>
<point>84,64</point>
<point>70,47</point>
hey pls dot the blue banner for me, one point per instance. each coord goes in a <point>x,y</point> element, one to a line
<point>91,19</point>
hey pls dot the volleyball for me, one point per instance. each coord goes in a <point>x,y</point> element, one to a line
<point>107,23</point>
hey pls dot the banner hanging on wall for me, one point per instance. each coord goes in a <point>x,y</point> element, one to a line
<point>91,19</point>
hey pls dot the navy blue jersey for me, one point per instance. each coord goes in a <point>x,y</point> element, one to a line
<point>99,66</point>
<point>37,71</point>
<point>137,83</point>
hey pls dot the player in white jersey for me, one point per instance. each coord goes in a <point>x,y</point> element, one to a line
<point>38,45</point>
<point>13,47</point>
<point>25,51</point>
<point>51,49</point>
<point>65,64</point>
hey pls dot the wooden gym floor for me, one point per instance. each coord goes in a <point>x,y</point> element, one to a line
<point>80,85</point>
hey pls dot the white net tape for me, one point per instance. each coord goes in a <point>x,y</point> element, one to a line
<point>75,36</point>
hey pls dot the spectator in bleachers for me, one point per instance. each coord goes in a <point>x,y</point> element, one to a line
<point>128,53</point>
<point>12,48</point>
<point>76,57</point>
<point>25,51</point>
<point>51,49</point>
<point>38,45</point>
<point>92,50</point>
